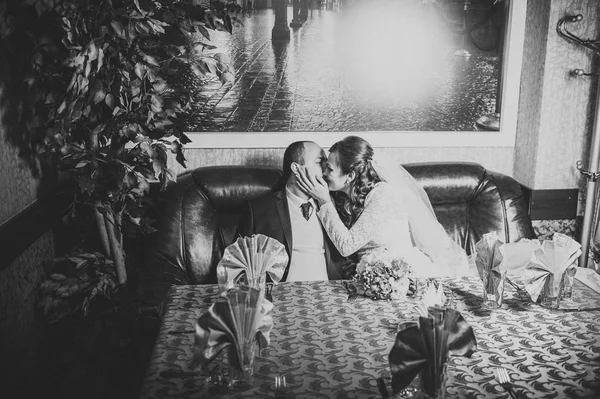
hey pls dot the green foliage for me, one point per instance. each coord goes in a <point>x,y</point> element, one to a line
<point>74,283</point>
<point>101,84</point>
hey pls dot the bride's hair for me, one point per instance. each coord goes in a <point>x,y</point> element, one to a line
<point>354,154</point>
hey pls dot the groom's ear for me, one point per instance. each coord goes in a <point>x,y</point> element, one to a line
<point>295,167</point>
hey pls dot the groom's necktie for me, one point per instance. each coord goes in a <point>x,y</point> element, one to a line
<point>306,210</point>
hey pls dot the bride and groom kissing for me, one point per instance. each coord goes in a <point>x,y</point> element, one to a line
<point>330,211</point>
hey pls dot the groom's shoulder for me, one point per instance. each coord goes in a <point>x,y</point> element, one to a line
<point>267,199</point>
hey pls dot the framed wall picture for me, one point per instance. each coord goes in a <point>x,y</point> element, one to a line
<point>411,73</point>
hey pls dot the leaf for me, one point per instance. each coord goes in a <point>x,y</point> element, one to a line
<point>58,277</point>
<point>118,28</point>
<point>158,166</point>
<point>222,57</point>
<point>150,60</point>
<point>159,86</point>
<point>209,20</point>
<point>81,164</point>
<point>139,70</point>
<point>100,60</point>
<point>211,64</point>
<point>184,139</point>
<point>118,111</point>
<point>227,77</point>
<point>99,95</point>
<point>83,84</point>
<point>227,21</point>
<point>222,67</point>
<point>161,150</point>
<point>219,26</point>
<point>76,61</point>
<point>203,31</point>
<point>62,107</point>
<point>170,175</point>
<point>180,158</point>
<point>110,100</point>
<point>92,52</point>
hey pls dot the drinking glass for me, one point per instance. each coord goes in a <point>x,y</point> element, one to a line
<point>493,289</point>
<point>426,386</point>
<point>552,292</point>
<point>258,282</point>
<point>242,378</point>
<point>568,278</point>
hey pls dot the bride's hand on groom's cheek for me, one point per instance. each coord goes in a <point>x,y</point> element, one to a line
<point>314,186</point>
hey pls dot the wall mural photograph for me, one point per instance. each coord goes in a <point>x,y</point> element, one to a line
<point>357,66</point>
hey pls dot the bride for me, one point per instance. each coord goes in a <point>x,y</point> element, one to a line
<point>374,205</point>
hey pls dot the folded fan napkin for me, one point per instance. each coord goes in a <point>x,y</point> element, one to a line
<point>255,256</point>
<point>517,255</point>
<point>242,315</point>
<point>425,347</point>
<point>489,258</point>
<point>588,277</point>
<point>549,263</point>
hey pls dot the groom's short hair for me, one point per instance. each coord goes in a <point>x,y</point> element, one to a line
<point>293,153</point>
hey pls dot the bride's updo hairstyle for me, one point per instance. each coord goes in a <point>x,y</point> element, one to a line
<point>354,154</point>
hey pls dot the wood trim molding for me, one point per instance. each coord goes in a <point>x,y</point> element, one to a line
<point>21,231</point>
<point>552,204</point>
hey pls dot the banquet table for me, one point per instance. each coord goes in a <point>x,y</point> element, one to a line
<point>331,345</point>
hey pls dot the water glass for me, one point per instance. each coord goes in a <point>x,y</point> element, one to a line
<point>242,378</point>
<point>568,278</point>
<point>493,289</point>
<point>552,292</point>
<point>426,386</point>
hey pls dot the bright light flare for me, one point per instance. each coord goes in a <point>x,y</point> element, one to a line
<point>396,47</point>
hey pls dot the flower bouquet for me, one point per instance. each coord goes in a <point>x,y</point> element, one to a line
<point>383,275</point>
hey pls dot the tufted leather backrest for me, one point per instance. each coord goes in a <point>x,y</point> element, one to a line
<point>470,201</point>
<point>197,217</point>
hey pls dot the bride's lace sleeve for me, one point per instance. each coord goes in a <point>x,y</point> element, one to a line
<point>380,202</point>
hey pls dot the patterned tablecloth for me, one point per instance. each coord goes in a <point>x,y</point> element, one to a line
<point>331,347</point>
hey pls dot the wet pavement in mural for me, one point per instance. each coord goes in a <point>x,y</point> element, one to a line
<point>359,68</point>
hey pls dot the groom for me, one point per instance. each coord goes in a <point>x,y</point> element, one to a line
<point>289,216</point>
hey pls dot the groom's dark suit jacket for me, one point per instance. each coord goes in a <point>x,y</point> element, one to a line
<point>269,215</point>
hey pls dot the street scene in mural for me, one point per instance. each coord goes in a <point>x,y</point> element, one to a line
<point>358,65</point>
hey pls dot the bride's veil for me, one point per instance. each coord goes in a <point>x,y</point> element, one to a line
<point>427,233</point>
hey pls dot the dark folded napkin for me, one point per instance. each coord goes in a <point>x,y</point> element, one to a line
<point>424,346</point>
<point>243,315</point>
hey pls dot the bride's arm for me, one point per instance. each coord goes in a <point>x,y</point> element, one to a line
<point>378,205</point>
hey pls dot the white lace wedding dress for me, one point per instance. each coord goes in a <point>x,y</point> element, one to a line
<point>383,224</point>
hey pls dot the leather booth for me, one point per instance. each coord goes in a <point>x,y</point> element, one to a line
<point>197,216</point>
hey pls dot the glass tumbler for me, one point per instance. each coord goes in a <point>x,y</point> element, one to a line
<point>493,289</point>
<point>552,292</point>
<point>242,378</point>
